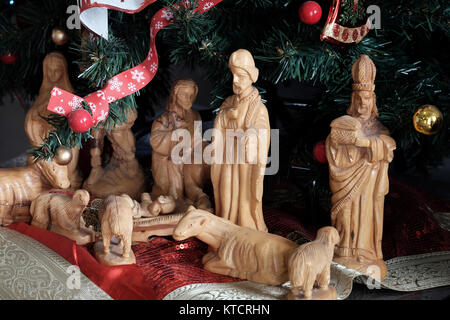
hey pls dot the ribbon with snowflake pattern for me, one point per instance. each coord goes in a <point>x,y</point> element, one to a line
<point>128,82</point>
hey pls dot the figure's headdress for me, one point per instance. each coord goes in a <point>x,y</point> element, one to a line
<point>243,59</point>
<point>364,72</point>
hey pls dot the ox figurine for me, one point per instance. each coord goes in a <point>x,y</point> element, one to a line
<point>238,251</point>
<point>20,186</point>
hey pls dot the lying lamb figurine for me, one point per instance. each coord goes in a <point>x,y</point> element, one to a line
<point>62,214</point>
<point>238,251</point>
<point>310,263</point>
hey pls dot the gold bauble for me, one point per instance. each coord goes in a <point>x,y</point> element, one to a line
<point>63,156</point>
<point>428,120</point>
<point>59,36</point>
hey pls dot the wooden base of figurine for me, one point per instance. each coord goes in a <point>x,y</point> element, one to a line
<point>317,294</point>
<point>116,179</point>
<point>376,269</point>
<point>81,236</point>
<point>144,235</point>
<point>114,257</point>
<point>161,226</point>
<point>7,220</point>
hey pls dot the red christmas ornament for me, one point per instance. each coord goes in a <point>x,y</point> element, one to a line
<point>319,152</point>
<point>80,121</point>
<point>10,58</point>
<point>310,12</point>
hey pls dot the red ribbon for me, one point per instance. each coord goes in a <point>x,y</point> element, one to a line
<point>127,82</point>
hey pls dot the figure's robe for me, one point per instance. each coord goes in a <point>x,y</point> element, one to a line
<point>359,182</point>
<point>167,175</point>
<point>37,131</point>
<point>238,187</point>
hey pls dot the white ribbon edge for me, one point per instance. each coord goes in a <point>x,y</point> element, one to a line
<point>96,19</point>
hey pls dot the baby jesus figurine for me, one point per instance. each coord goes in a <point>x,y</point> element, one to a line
<point>359,151</point>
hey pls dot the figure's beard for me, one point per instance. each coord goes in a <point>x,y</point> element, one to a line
<point>364,113</point>
<point>239,89</point>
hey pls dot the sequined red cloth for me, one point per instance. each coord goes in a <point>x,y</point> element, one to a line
<point>168,265</point>
<point>409,226</point>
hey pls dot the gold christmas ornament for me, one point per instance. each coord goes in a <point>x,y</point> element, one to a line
<point>59,36</point>
<point>63,155</point>
<point>428,120</point>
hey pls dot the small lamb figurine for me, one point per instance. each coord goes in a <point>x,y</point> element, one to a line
<point>117,220</point>
<point>62,213</point>
<point>310,263</point>
<point>238,251</point>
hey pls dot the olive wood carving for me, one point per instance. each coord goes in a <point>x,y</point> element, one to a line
<point>238,251</point>
<point>62,214</point>
<point>238,185</point>
<point>175,178</point>
<point>20,186</point>
<point>36,128</point>
<point>122,174</point>
<point>310,264</point>
<point>359,150</point>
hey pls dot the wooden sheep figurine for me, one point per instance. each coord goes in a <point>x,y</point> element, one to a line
<point>238,251</point>
<point>20,186</point>
<point>63,214</point>
<point>116,218</point>
<point>310,263</point>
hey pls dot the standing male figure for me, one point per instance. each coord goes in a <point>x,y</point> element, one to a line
<point>359,150</point>
<point>238,182</point>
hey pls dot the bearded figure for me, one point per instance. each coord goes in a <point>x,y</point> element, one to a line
<point>241,143</point>
<point>359,151</point>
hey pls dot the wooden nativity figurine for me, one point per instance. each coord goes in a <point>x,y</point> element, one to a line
<point>62,214</point>
<point>310,264</point>
<point>116,219</point>
<point>36,128</point>
<point>157,218</point>
<point>121,216</point>
<point>122,174</point>
<point>359,150</point>
<point>237,251</point>
<point>20,186</point>
<point>238,168</point>
<point>175,178</point>
<point>262,257</point>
